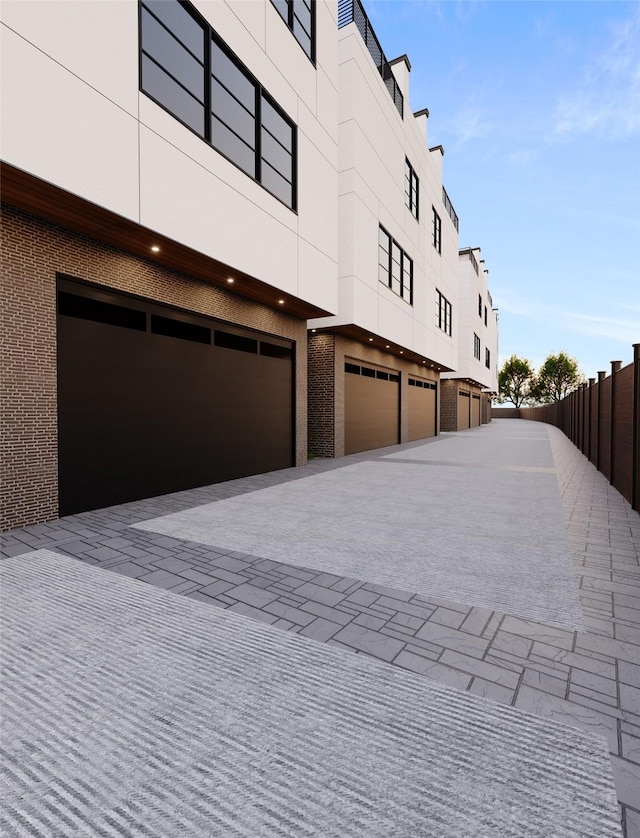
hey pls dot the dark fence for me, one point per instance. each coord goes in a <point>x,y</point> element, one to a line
<point>602,418</point>
<point>351,11</point>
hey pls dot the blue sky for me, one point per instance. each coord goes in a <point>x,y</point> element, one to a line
<point>537,105</point>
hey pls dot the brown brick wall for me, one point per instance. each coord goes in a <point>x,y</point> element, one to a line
<point>449,405</point>
<point>486,409</point>
<point>32,252</point>
<point>321,394</point>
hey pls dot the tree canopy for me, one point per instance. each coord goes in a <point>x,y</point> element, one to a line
<point>557,377</point>
<point>519,384</point>
<point>515,381</point>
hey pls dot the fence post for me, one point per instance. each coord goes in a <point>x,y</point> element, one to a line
<point>583,414</point>
<point>635,429</point>
<point>592,381</point>
<point>615,366</point>
<point>601,377</point>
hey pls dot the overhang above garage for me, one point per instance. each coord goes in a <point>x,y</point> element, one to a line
<point>49,202</point>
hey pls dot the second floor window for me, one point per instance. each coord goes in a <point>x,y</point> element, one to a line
<point>479,305</point>
<point>299,17</point>
<point>395,268</point>
<point>485,315</point>
<point>443,313</point>
<point>411,186</point>
<point>437,231</point>
<point>188,70</point>
<point>476,347</point>
<point>487,359</point>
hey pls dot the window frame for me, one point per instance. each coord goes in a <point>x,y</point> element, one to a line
<point>405,260</point>
<point>210,36</point>
<point>476,347</point>
<point>289,23</point>
<point>411,197</point>
<point>444,313</point>
<point>436,230</point>
<point>487,357</point>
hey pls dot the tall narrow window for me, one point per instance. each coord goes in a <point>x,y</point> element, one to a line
<point>411,188</point>
<point>299,15</point>
<point>485,315</point>
<point>443,313</point>
<point>233,110</point>
<point>395,268</point>
<point>277,151</point>
<point>228,108</point>
<point>476,347</point>
<point>479,305</point>
<point>172,59</point>
<point>384,250</point>
<point>437,231</point>
<point>487,358</point>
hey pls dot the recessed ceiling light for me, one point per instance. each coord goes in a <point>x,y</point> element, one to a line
<point>281,302</point>
<point>402,351</point>
<point>370,339</point>
<point>155,248</point>
<point>314,330</point>
<point>387,346</point>
<point>230,280</point>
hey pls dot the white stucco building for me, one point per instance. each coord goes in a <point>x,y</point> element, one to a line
<point>395,329</point>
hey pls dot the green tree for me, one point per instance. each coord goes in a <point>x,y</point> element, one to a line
<point>515,380</point>
<point>557,377</point>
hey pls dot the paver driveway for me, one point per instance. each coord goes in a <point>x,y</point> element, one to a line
<point>534,660</point>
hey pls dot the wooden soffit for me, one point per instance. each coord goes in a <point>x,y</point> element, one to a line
<point>25,192</point>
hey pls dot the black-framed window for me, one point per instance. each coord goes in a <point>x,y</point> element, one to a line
<point>487,358</point>
<point>395,268</point>
<point>485,315</point>
<point>479,305</point>
<point>443,313</point>
<point>436,233</point>
<point>411,188</point>
<point>299,15</point>
<point>190,72</point>
<point>476,347</point>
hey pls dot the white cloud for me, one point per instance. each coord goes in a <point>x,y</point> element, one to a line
<point>470,123</point>
<point>623,329</point>
<point>522,157</point>
<point>606,103</point>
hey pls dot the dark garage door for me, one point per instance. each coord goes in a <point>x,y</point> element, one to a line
<point>153,400</point>
<point>422,408</point>
<point>372,408</point>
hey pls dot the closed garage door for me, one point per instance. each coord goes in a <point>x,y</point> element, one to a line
<point>153,400</point>
<point>372,407</point>
<point>475,411</point>
<point>422,408</point>
<point>464,409</point>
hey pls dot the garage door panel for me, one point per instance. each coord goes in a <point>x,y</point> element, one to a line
<point>464,409</point>
<point>422,412</point>
<point>371,413</point>
<point>475,411</point>
<point>143,414</point>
